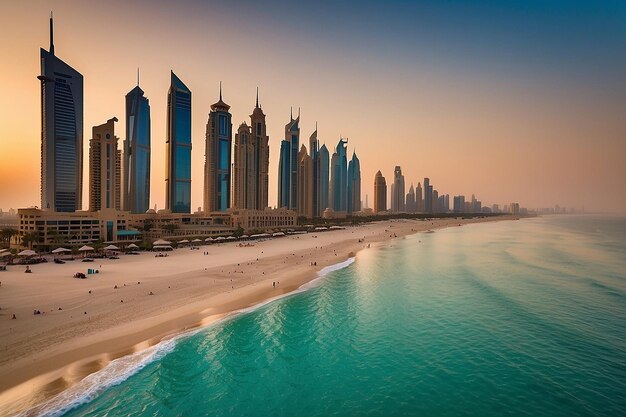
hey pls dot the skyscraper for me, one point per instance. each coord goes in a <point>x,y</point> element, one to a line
<point>410,200</point>
<point>178,148</point>
<point>61,132</point>
<point>305,184</point>
<point>428,196</point>
<point>260,141</point>
<point>217,162</point>
<point>314,146</point>
<point>380,193</point>
<point>324,181</point>
<point>419,201</point>
<point>288,165</point>
<point>136,183</point>
<point>243,168</point>
<point>105,167</point>
<point>397,191</point>
<point>339,177</point>
<point>354,184</point>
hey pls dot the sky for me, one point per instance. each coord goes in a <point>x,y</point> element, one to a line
<point>510,100</point>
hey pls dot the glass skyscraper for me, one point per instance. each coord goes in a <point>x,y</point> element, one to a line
<point>136,183</point>
<point>288,165</point>
<point>324,169</point>
<point>314,146</point>
<point>354,184</point>
<point>339,177</point>
<point>217,164</point>
<point>61,132</point>
<point>178,148</point>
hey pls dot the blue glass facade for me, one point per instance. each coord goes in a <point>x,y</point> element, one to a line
<point>61,134</point>
<point>217,166</point>
<point>178,175</point>
<point>339,177</point>
<point>288,186</point>
<point>136,183</point>
<point>324,170</point>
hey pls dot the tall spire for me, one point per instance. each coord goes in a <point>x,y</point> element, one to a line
<point>137,76</point>
<point>291,112</point>
<point>298,113</point>
<point>51,35</point>
<point>257,97</point>
<point>220,91</point>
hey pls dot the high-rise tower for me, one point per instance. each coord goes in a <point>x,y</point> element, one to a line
<point>339,177</point>
<point>217,163</point>
<point>354,184</point>
<point>61,132</point>
<point>136,182</point>
<point>261,156</point>
<point>397,191</point>
<point>380,193</point>
<point>178,148</point>
<point>324,174</point>
<point>314,146</point>
<point>105,168</point>
<point>305,184</point>
<point>288,165</point>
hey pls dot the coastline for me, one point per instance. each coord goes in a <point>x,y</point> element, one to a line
<point>81,345</point>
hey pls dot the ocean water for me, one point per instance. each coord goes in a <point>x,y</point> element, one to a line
<point>515,318</point>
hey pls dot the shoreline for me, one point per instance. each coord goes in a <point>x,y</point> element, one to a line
<point>40,374</point>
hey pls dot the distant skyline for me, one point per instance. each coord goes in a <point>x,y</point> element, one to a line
<point>510,101</point>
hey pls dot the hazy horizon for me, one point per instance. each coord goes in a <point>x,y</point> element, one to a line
<point>509,101</point>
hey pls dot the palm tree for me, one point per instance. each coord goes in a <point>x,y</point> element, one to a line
<point>6,234</point>
<point>29,238</point>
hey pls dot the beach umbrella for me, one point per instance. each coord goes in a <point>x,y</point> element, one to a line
<point>277,234</point>
<point>196,240</point>
<point>85,248</point>
<point>161,242</point>
<point>111,247</point>
<point>3,254</point>
<point>244,237</point>
<point>220,238</point>
<point>208,239</point>
<point>183,241</point>
<point>61,250</point>
<point>132,246</point>
<point>27,252</point>
<point>231,238</point>
<point>3,250</point>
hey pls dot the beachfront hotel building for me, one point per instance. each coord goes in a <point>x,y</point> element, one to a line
<point>137,149</point>
<point>305,184</point>
<point>354,184</point>
<point>339,177</point>
<point>323,171</point>
<point>217,162</point>
<point>251,163</point>
<point>105,168</point>
<point>61,132</point>
<point>288,165</point>
<point>107,226</point>
<point>380,193</point>
<point>397,191</point>
<point>178,147</point>
<point>266,219</point>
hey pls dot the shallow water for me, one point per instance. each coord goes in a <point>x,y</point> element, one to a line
<point>519,318</point>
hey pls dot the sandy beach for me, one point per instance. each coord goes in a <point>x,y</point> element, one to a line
<point>86,323</point>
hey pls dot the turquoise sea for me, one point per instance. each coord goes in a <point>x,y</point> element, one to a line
<point>515,318</point>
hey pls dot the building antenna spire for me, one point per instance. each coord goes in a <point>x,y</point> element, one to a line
<point>291,112</point>
<point>298,113</point>
<point>51,35</point>
<point>257,96</point>
<point>220,91</point>
<point>316,125</point>
<point>137,76</point>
